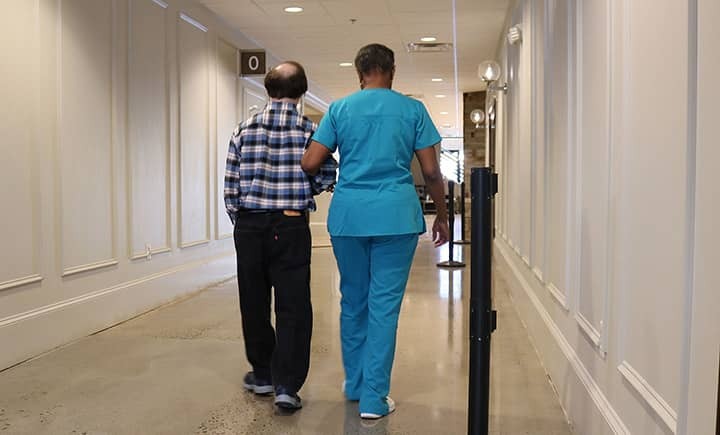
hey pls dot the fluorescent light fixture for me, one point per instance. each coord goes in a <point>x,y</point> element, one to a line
<point>428,39</point>
<point>443,113</point>
<point>293,9</point>
<point>440,96</point>
<point>436,79</point>
<point>346,64</point>
<point>428,47</point>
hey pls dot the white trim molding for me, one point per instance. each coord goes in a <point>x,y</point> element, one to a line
<point>653,399</point>
<point>320,236</point>
<point>589,330</point>
<point>80,316</point>
<point>66,303</point>
<point>317,102</point>
<point>603,405</point>
<point>558,295</point>
<point>148,254</point>
<point>32,279</point>
<point>193,22</point>
<point>88,267</point>
<point>538,274</point>
<point>195,243</point>
<point>691,209</point>
<point>254,82</point>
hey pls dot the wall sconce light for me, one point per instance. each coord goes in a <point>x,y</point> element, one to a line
<point>477,116</point>
<point>514,35</point>
<point>489,72</point>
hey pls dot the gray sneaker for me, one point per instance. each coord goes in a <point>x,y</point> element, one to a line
<point>286,399</point>
<point>257,385</point>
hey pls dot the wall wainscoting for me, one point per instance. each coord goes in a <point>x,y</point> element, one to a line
<point>552,340</point>
<point>54,325</point>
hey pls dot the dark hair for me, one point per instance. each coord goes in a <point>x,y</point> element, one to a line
<point>374,57</point>
<point>282,85</point>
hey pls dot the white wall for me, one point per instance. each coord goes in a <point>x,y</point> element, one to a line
<point>608,218</point>
<point>115,120</point>
<point>703,306</point>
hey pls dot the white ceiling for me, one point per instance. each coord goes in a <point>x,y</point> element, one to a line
<point>322,36</point>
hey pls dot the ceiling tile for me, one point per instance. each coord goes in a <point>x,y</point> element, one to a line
<point>424,6</point>
<point>368,12</point>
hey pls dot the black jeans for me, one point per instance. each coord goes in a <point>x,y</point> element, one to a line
<point>273,250</point>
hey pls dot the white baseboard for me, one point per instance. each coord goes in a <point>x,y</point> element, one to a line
<point>559,296</point>
<point>320,235</point>
<point>552,339</point>
<point>26,335</point>
<point>653,399</point>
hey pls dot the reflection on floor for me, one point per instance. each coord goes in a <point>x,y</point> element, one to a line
<point>178,370</point>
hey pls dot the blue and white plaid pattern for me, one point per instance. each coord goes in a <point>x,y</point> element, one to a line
<point>263,163</point>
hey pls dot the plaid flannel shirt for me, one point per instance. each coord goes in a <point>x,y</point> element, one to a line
<point>263,163</point>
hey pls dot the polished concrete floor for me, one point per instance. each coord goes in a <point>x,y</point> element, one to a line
<point>178,370</point>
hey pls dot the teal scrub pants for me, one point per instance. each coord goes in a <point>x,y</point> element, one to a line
<point>373,275</point>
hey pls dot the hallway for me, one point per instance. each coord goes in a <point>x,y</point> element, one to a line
<point>178,370</point>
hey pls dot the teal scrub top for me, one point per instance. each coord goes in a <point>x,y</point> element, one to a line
<point>377,132</point>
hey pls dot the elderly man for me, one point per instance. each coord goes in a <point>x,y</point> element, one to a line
<point>267,196</point>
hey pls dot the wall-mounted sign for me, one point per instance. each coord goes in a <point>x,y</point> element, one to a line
<point>252,62</point>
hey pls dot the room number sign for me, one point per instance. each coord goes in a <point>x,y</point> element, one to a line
<point>252,62</point>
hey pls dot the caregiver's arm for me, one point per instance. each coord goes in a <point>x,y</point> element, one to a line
<point>436,187</point>
<point>315,155</point>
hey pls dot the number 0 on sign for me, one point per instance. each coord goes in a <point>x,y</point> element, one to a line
<point>252,62</point>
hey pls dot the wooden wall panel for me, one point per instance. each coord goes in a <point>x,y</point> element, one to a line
<point>148,135</point>
<point>228,117</point>
<point>85,143</point>
<point>653,215</point>
<point>538,132</point>
<point>594,144</point>
<point>19,191</point>
<point>558,149</point>
<point>194,85</point>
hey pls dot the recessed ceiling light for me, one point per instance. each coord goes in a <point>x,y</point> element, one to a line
<point>436,79</point>
<point>345,63</point>
<point>428,39</point>
<point>293,9</point>
<point>443,113</point>
<point>439,96</point>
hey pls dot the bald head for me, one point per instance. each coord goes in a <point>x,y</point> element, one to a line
<point>286,80</point>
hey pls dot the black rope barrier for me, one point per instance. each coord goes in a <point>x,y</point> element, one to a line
<point>483,319</point>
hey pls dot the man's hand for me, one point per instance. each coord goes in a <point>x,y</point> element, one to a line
<point>440,231</point>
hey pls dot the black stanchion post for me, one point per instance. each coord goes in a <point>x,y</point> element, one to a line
<point>451,224</point>
<point>462,240</point>
<point>483,318</point>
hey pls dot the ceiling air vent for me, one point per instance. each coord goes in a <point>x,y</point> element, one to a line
<point>428,47</point>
